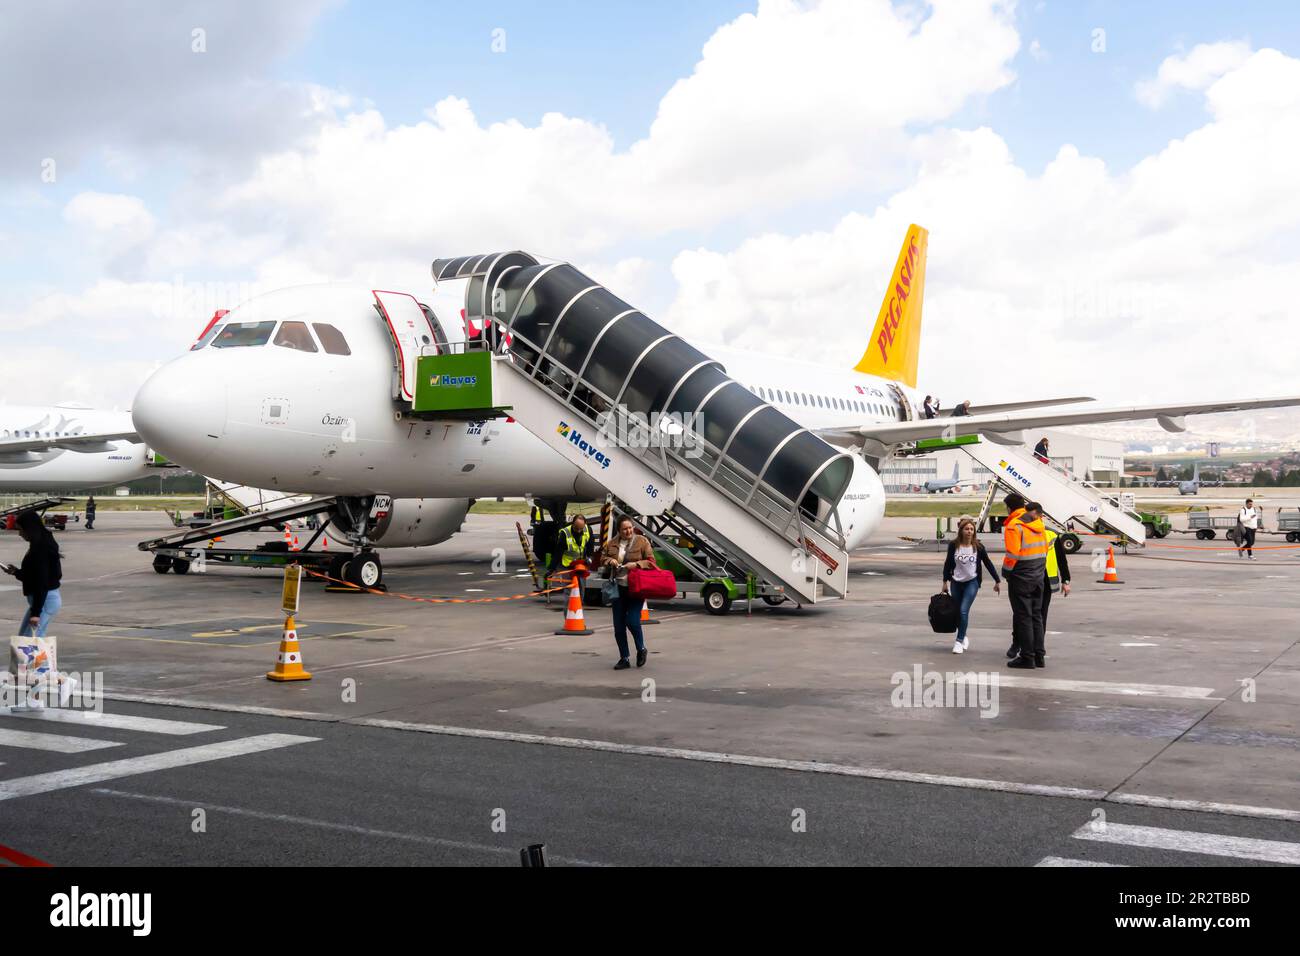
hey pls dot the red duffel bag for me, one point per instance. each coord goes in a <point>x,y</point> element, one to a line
<point>651,584</point>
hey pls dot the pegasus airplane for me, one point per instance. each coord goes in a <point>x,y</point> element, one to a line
<point>304,388</point>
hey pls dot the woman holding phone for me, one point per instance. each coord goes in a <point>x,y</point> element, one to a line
<point>41,573</point>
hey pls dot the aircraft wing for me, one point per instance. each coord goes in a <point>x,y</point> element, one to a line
<point>1017,406</point>
<point>86,442</point>
<point>1004,428</point>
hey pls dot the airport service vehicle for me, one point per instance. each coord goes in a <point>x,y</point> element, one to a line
<point>350,393</point>
<point>1206,526</point>
<point>69,446</point>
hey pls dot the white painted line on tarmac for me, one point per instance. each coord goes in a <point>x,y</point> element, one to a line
<point>1067,861</point>
<point>1100,687</point>
<point>773,763</point>
<point>1197,806</point>
<point>55,743</point>
<point>90,718</point>
<point>1204,806</point>
<point>114,769</point>
<point>1189,841</point>
<point>337,827</point>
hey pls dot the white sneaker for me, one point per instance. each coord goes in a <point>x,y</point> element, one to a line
<point>66,687</point>
<point>958,647</point>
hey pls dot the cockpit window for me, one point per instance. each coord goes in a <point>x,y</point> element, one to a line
<point>241,334</point>
<point>294,335</point>
<point>331,338</point>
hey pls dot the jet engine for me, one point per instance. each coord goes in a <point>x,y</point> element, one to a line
<point>405,522</point>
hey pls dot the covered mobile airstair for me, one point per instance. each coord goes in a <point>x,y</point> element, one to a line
<point>646,415</point>
<point>1066,499</point>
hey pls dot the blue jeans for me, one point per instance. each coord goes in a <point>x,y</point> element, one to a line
<point>53,601</point>
<point>964,592</point>
<point>627,617</point>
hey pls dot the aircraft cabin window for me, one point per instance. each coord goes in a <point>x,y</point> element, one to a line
<point>294,335</point>
<point>243,335</point>
<point>331,339</point>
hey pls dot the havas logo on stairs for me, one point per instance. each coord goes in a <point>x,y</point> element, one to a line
<point>588,449</point>
<point>1014,474</point>
<point>454,381</point>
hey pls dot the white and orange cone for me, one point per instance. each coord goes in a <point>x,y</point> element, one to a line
<point>645,614</point>
<point>288,535</point>
<point>1112,573</point>
<point>574,621</point>
<point>288,663</point>
<point>294,546</point>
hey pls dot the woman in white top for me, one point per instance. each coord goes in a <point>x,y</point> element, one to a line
<point>963,573</point>
<point>1247,524</point>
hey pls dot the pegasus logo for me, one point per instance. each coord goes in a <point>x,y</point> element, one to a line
<point>897,301</point>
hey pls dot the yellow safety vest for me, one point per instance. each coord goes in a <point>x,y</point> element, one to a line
<point>1053,569</point>
<point>573,548</point>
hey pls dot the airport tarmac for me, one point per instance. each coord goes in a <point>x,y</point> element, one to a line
<point>1169,712</point>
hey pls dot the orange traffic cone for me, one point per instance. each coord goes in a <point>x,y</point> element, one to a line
<point>645,614</point>
<point>1112,573</point>
<point>288,663</point>
<point>325,542</point>
<point>574,622</point>
<point>288,536</point>
<point>294,546</point>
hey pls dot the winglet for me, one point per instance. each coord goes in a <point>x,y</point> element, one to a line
<point>895,342</point>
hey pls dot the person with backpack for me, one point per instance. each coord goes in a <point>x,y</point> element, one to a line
<point>963,573</point>
<point>1247,525</point>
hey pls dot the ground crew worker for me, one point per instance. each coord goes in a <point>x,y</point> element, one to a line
<point>1024,569</point>
<point>90,513</point>
<point>1057,578</point>
<point>575,544</point>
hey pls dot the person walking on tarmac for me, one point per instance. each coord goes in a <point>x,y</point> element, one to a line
<point>90,513</point>
<point>575,544</point>
<point>628,550</point>
<point>1024,569</point>
<point>963,574</point>
<point>41,573</point>
<point>1056,578</point>
<point>1247,524</point>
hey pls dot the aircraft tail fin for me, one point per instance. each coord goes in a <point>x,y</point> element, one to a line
<point>895,344</point>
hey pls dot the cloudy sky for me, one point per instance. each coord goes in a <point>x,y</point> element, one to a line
<point>1111,188</point>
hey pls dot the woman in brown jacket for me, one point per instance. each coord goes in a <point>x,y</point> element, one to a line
<point>628,550</point>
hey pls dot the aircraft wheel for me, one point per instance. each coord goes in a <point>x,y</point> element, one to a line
<point>338,568</point>
<point>180,566</point>
<point>161,563</point>
<point>1071,543</point>
<point>365,570</point>
<point>716,599</point>
<point>773,600</point>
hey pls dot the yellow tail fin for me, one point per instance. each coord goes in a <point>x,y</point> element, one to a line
<point>896,340</point>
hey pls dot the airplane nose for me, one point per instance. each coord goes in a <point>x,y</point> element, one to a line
<point>181,413</point>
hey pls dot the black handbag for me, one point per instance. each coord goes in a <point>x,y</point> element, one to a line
<point>945,614</point>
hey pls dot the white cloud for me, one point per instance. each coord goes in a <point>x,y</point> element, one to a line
<point>1194,70</point>
<point>1176,278</point>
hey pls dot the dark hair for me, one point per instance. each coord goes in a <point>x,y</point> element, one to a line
<point>1034,506</point>
<point>628,519</point>
<point>30,521</point>
<point>1014,501</point>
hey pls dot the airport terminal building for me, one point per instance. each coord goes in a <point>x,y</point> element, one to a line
<point>1090,459</point>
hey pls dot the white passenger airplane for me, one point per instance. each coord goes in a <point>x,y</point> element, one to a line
<point>299,390</point>
<point>45,448</point>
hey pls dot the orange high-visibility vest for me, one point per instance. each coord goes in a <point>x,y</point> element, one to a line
<point>1023,541</point>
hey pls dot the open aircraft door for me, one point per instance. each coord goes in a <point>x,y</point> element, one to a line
<point>411,333</point>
